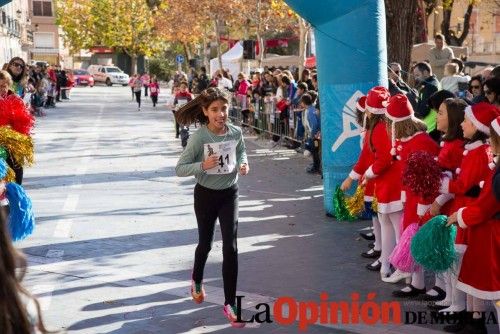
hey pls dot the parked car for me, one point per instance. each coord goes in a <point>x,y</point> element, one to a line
<point>108,74</point>
<point>82,77</point>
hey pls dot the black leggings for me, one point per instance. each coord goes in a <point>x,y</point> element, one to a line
<point>138,98</point>
<point>208,206</point>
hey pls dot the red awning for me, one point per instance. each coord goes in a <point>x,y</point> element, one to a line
<point>310,62</point>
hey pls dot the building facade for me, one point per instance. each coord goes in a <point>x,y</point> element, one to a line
<point>48,44</point>
<point>15,34</point>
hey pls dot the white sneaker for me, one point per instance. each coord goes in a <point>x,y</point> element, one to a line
<point>396,276</point>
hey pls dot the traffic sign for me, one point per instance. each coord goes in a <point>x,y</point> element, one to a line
<point>179,59</point>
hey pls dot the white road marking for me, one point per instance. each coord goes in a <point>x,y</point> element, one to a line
<point>63,228</point>
<point>71,203</point>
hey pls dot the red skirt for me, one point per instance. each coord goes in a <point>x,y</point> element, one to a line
<point>480,271</point>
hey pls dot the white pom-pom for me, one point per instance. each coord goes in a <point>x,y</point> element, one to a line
<point>385,103</point>
<point>398,157</point>
<point>481,184</point>
<point>393,151</point>
<point>457,171</point>
<point>441,144</point>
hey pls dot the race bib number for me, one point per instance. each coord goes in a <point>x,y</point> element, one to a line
<point>226,151</point>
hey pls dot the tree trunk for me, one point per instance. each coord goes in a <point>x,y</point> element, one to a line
<point>465,32</point>
<point>217,38</point>
<point>445,25</point>
<point>303,30</point>
<point>133,64</point>
<point>400,17</point>
<point>260,40</point>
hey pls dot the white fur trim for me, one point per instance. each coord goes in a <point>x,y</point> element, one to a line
<point>397,119</point>
<point>405,139</point>
<point>444,198</point>
<point>480,126</point>
<point>390,207</point>
<point>353,175</point>
<point>445,186</point>
<point>359,107</point>
<point>460,218</point>
<point>377,111</point>
<point>393,152</point>
<point>473,145</point>
<point>481,294</point>
<point>422,209</point>
<point>368,198</point>
<point>403,196</point>
<point>369,173</point>
<point>496,126</point>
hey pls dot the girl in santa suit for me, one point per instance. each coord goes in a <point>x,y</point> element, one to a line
<point>365,160</point>
<point>480,272</point>
<point>449,117</point>
<point>412,137</point>
<point>464,187</point>
<point>386,174</point>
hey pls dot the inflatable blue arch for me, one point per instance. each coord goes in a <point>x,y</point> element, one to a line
<point>351,57</point>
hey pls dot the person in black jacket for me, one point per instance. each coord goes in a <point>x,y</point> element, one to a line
<point>427,84</point>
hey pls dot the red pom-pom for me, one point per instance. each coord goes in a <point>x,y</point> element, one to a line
<point>13,112</point>
<point>422,175</point>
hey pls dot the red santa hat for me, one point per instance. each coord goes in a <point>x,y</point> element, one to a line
<point>481,115</point>
<point>496,125</point>
<point>398,109</point>
<point>376,100</point>
<point>361,104</point>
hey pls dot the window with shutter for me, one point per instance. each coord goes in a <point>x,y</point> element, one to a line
<point>42,8</point>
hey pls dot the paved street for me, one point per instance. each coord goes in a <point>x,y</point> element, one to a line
<point>116,233</point>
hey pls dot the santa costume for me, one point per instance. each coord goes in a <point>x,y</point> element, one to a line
<point>365,160</point>
<point>386,173</point>
<point>398,110</point>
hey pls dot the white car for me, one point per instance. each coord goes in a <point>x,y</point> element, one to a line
<point>108,74</point>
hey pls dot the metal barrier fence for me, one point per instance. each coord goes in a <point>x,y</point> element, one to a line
<point>265,118</point>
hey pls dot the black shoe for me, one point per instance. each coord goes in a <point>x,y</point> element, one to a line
<point>414,292</point>
<point>375,267</point>
<point>371,245</point>
<point>440,296</point>
<point>367,236</point>
<point>371,254</point>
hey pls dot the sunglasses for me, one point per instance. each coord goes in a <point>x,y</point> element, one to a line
<point>17,65</point>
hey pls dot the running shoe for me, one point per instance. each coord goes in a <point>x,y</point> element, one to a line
<point>230,313</point>
<point>197,292</point>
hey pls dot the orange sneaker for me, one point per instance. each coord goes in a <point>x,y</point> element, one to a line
<point>230,313</point>
<point>197,292</point>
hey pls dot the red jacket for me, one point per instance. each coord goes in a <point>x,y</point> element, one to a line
<point>415,206</point>
<point>465,186</point>
<point>480,270</point>
<point>385,171</point>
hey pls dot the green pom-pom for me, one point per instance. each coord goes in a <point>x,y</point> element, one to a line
<point>433,247</point>
<point>3,153</point>
<point>339,206</point>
